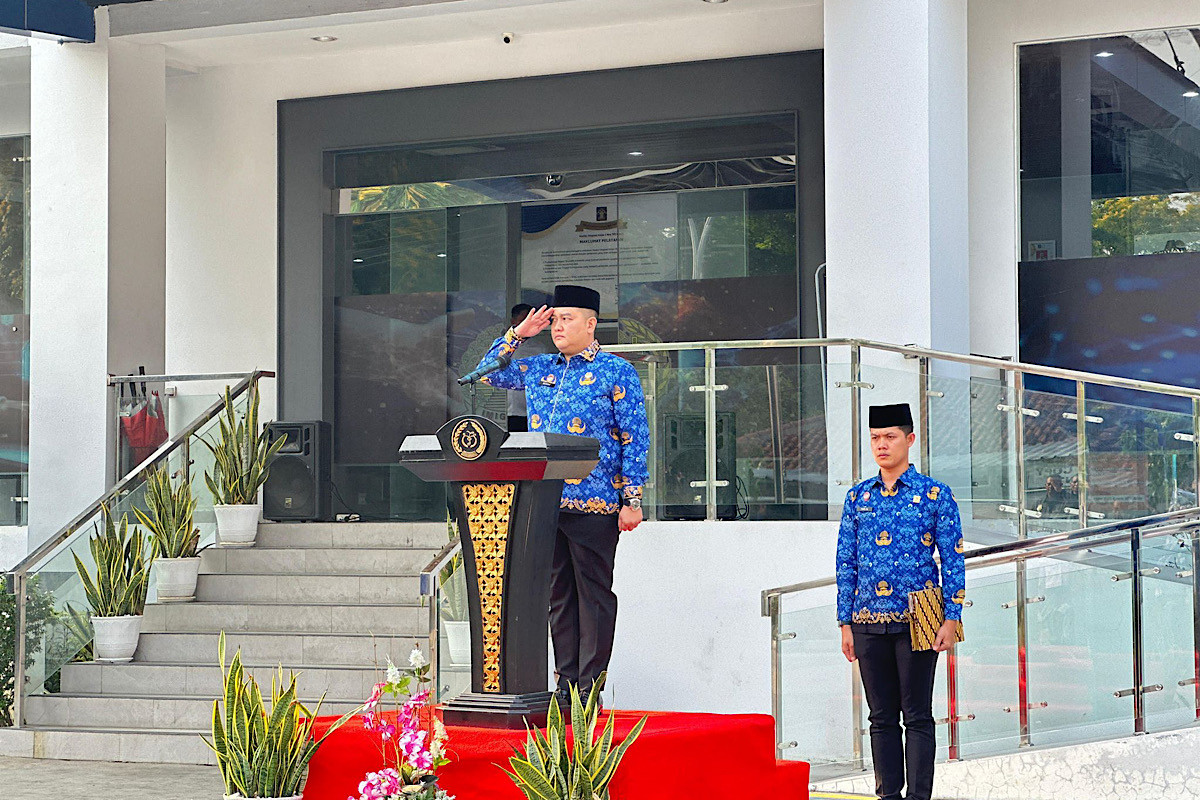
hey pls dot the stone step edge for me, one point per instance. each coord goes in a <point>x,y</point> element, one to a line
<point>300,575</point>
<point>292,634</point>
<point>278,604</point>
<point>202,698</point>
<point>247,665</point>
<point>374,548</point>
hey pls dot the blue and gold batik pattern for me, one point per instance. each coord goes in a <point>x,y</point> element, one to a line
<point>886,545</point>
<point>592,394</point>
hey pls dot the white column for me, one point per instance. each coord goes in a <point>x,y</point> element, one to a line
<point>97,249</point>
<point>896,171</point>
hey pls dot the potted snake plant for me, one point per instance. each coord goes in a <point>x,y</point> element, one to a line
<point>170,518</point>
<point>263,751</point>
<point>242,455</point>
<point>116,592</point>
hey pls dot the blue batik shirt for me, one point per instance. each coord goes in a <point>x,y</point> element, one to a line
<point>886,545</point>
<point>593,394</point>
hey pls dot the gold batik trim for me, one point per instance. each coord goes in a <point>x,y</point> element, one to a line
<point>489,506</point>
<point>593,505</point>
<point>876,617</point>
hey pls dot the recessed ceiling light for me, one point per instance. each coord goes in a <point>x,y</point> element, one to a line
<point>714,1</point>
<point>324,39</point>
<point>636,153</point>
<point>1191,93</point>
<point>441,255</point>
<point>358,261</point>
<point>1103,54</point>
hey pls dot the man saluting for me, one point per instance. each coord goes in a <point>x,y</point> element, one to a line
<point>584,391</point>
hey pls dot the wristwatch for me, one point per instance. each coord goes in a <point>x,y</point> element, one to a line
<point>634,502</point>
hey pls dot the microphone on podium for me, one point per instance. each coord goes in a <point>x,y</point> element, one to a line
<point>486,368</point>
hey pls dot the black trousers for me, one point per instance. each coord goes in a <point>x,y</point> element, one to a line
<point>517,423</point>
<point>898,682</point>
<point>583,608</point>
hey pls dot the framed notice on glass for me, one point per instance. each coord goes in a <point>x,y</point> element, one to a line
<point>1043,250</point>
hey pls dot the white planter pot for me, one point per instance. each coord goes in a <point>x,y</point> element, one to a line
<point>116,637</point>
<point>175,579</point>
<point>237,526</point>
<point>458,641</point>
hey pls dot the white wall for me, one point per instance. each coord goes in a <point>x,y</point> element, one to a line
<point>221,151</point>
<point>690,635</point>
<point>995,27</point>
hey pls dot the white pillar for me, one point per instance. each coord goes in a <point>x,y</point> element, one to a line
<point>97,176</point>
<point>896,171</point>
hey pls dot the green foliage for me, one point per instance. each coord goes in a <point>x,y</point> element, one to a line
<point>122,569</point>
<point>263,752</point>
<point>170,517</point>
<point>1118,221</point>
<point>242,454</point>
<point>39,609</point>
<point>550,770</point>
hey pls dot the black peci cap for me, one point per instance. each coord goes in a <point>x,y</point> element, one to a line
<point>894,416</point>
<point>568,296</point>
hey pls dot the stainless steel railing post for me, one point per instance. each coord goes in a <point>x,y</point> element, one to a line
<point>855,414</point>
<point>19,652</point>
<point>1194,547</point>
<point>923,389</point>
<point>776,677</point>
<point>710,432</point>
<point>1081,450</point>
<point>1018,402</point>
<point>1135,594</point>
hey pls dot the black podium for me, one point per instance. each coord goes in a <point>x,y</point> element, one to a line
<point>506,489</point>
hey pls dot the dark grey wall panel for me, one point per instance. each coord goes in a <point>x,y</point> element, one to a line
<point>311,128</point>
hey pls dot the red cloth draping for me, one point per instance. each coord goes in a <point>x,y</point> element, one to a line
<point>677,757</point>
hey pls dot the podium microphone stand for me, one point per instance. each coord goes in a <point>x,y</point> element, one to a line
<point>506,489</point>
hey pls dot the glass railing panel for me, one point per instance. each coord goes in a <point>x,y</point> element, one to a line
<point>885,386</point>
<point>1136,463</point>
<point>972,449</point>
<point>678,440</point>
<point>1051,462</point>
<point>454,632</point>
<point>817,684</point>
<point>772,425</point>
<point>986,665</point>
<point>60,631</point>
<point>1167,631</point>
<point>1079,634</point>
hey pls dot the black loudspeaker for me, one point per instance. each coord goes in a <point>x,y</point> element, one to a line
<point>683,462</point>
<point>298,488</point>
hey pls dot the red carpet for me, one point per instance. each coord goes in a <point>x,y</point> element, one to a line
<point>677,757</point>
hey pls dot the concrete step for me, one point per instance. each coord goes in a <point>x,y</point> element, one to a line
<point>305,589</point>
<point>315,560</point>
<point>303,650</point>
<point>139,713</point>
<point>107,744</point>
<point>190,680</point>
<point>352,535</point>
<point>406,620</point>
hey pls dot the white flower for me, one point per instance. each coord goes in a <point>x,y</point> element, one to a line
<point>416,659</point>
<point>393,672</point>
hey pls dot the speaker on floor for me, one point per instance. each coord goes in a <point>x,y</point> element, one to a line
<point>683,446</point>
<point>298,487</point>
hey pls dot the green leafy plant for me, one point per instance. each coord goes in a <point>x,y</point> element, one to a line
<point>122,575</point>
<point>263,752</point>
<point>549,770</point>
<point>242,453</point>
<point>170,516</point>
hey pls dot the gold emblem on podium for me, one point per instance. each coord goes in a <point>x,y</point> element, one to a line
<point>469,440</point>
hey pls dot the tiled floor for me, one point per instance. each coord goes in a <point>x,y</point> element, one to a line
<point>35,779</point>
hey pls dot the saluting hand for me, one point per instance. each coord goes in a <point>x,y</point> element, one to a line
<point>534,323</point>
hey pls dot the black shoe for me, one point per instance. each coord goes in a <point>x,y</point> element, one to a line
<point>563,696</point>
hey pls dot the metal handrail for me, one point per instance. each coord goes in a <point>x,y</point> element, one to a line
<point>114,380</point>
<point>1032,548</point>
<point>913,351</point>
<point>170,446</point>
<point>16,578</point>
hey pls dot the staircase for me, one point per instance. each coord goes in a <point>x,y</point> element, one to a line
<point>328,600</point>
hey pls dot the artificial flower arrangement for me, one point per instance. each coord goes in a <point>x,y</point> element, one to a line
<point>413,744</point>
